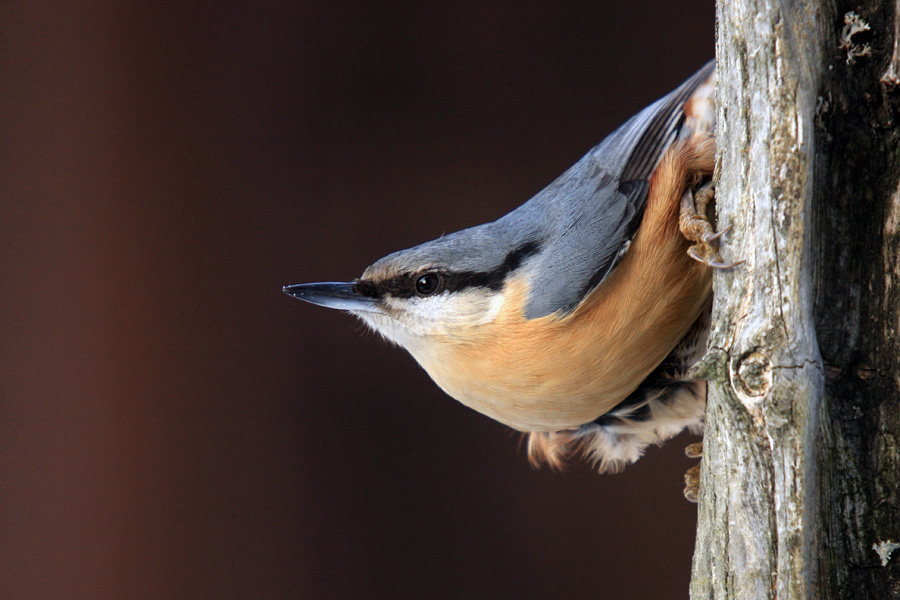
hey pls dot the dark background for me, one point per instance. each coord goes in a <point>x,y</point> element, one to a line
<point>171,424</point>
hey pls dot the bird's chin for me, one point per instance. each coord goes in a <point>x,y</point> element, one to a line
<point>388,328</point>
<point>378,322</point>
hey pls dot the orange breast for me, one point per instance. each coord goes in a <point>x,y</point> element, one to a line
<point>558,372</point>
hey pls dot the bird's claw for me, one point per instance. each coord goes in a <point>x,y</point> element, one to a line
<point>692,484</point>
<point>714,236</point>
<point>695,227</point>
<point>699,254</point>
<point>692,477</point>
<point>694,450</point>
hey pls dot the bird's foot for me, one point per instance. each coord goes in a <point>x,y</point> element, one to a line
<point>695,226</point>
<point>692,477</point>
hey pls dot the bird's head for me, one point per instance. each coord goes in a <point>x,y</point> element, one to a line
<point>436,292</point>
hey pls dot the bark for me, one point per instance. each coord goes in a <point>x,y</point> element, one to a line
<point>801,466</point>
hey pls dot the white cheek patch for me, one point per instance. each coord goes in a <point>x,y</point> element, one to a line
<point>405,321</point>
<point>445,312</point>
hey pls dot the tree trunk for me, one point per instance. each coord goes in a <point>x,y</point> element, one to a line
<point>800,482</point>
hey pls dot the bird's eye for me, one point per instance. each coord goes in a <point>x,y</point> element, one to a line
<point>428,284</point>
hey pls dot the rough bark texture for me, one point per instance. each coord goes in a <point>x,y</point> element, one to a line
<point>801,467</point>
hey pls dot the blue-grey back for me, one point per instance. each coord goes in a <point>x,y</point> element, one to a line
<point>569,237</point>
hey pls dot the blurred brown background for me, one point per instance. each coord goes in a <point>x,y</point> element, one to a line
<point>171,424</point>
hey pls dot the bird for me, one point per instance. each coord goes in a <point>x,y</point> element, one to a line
<point>576,317</point>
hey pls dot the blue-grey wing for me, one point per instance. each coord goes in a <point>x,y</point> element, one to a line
<point>585,220</point>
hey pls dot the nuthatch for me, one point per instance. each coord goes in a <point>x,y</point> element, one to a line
<point>575,317</point>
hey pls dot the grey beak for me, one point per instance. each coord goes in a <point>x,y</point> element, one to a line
<point>342,296</point>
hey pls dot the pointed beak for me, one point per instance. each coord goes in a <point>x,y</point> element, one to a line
<point>342,296</point>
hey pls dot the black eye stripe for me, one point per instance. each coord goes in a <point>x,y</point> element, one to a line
<point>405,286</point>
<point>515,258</point>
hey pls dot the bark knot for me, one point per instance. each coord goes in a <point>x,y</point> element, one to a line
<point>753,377</point>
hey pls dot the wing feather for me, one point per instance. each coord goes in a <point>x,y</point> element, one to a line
<point>586,219</point>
